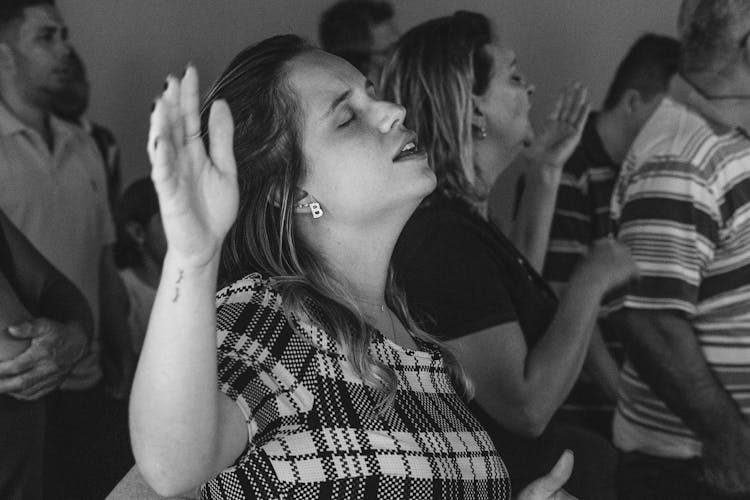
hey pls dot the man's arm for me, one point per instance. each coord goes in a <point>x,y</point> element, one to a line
<point>664,349</point>
<point>61,332</point>
<point>118,356</point>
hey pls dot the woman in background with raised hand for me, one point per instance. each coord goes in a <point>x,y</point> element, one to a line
<point>469,103</point>
<point>326,389</point>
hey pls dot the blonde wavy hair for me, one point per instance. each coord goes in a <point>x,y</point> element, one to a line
<point>434,70</point>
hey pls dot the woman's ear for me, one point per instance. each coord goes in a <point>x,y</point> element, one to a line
<point>307,204</point>
<point>7,61</point>
<point>303,203</point>
<point>478,120</point>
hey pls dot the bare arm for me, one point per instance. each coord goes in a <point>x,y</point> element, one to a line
<point>663,348</point>
<point>523,388</point>
<point>601,366</point>
<point>183,430</point>
<point>531,227</point>
<point>546,156</point>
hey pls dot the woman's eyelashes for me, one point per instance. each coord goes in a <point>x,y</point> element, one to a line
<point>349,118</point>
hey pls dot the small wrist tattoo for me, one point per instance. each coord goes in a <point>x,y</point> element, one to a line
<point>177,285</point>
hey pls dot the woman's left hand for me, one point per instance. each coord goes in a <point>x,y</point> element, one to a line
<point>562,129</point>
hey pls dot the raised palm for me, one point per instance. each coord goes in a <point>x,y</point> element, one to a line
<point>198,193</point>
<point>562,129</point>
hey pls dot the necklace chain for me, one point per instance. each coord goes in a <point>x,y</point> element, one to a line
<point>383,309</point>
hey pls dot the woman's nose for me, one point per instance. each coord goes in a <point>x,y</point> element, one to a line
<point>390,116</point>
<point>530,89</point>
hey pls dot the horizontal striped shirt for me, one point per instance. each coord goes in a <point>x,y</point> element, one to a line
<point>314,432</point>
<point>682,206</point>
<point>581,217</point>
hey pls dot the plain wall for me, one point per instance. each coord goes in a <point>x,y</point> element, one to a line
<point>129,46</point>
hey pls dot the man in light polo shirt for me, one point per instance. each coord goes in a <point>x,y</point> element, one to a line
<point>682,206</point>
<point>53,188</point>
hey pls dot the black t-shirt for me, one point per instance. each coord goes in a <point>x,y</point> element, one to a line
<point>462,275</point>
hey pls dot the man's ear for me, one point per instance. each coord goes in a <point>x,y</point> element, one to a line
<point>136,232</point>
<point>631,101</point>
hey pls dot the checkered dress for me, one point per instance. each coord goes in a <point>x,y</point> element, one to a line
<point>314,431</point>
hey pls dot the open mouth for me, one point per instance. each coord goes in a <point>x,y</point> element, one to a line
<point>409,149</point>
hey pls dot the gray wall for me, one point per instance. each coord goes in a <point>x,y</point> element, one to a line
<point>130,45</point>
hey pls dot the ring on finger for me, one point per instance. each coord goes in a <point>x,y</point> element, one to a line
<point>193,136</point>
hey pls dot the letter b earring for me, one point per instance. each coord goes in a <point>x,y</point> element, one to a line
<point>315,209</point>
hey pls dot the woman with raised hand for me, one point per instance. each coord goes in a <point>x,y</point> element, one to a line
<point>468,102</point>
<point>323,387</point>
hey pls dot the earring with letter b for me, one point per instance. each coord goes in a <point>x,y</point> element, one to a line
<point>314,207</point>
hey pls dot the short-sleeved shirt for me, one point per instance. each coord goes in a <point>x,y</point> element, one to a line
<point>461,275</point>
<point>682,207</point>
<point>314,430</point>
<point>581,217</point>
<point>58,199</point>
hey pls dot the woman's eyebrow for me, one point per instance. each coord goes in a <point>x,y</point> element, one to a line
<point>336,102</point>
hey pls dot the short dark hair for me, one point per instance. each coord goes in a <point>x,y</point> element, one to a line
<point>12,10</point>
<point>647,67</point>
<point>345,29</point>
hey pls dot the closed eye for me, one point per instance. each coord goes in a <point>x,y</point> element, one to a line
<point>347,121</point>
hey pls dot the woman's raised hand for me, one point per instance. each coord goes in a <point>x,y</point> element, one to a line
<point>562,129</point>
<point>550,487</point>
<point>198,193</point>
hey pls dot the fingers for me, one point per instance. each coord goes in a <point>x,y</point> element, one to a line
<point>22,363</point>
<point>549,487</point>
<point>26,330</point>
<point>562,470</point>
<point>221,137</point>
<point>40,377</point>
<point>572,105</point>
<point>190,109</point>
<point>171,99</point>
<point>567,100</point>
<point>160,148</point>
<point>44,385</point>
<point>582,109</point>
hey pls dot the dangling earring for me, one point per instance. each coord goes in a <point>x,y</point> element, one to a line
<point>480,133</point>
<point>315,209</point>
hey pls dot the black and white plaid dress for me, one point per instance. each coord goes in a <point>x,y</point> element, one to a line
<point>314,431</point>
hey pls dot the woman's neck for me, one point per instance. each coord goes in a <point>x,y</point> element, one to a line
<point>359,256</point>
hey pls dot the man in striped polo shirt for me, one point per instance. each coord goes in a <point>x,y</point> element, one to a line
<point>682,206</point>
<point>582,207</point>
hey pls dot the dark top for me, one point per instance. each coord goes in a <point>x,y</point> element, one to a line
<point>462,275</point>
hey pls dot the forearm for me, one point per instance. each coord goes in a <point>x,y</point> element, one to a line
<point>555,362</point>
<point>174,407</point>
<point>664,349</point>
<point>601,366</point>
<point>531,228</point>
